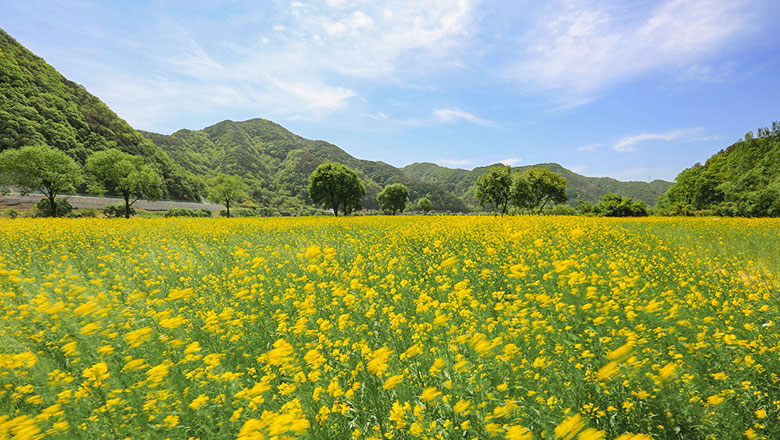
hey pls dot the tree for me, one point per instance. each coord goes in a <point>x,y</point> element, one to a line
<point>495,188</point>
<point>393,198</point>
<point>40,168</point>
<point>336,187</point>
<point>227,189</point>
<point>536,187</point>
<point>424,205</point>
<point>615,205</point>
<point>124,175</point>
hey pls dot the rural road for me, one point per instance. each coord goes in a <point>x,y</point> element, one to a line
<point>77,201</point>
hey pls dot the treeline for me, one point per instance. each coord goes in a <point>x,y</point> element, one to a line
<point>742,180</point>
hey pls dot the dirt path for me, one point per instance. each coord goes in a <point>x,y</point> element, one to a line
<point>77,201</point>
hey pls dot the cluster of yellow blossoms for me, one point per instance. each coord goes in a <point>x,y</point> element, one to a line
<point>390,328</point>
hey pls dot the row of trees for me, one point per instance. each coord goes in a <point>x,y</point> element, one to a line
<point>532,189</point>
<point>52,172</point>
<point>339,188</point>
<point>332,185</point>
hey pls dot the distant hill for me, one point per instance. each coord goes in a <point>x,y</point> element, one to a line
<point>40,106</point>
<point>578,187</point>
<point>277,163</point>
<point>743,179</point>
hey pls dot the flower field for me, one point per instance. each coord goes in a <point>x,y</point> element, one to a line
<point>390,327</point>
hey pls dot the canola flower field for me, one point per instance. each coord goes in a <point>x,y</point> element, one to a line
<point>390,327</point>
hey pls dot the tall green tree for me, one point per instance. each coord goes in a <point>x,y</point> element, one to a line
<point>536,187</point>
<point>424,205</point>
<point>336,187</point>
<point>40,168</point>
<point>125,175</point>
<point>227,190</point>
<point>495,188</point>
<point>393,198</point>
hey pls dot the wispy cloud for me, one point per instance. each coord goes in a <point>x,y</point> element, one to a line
<point>627,143</point>
<point>301,60</point>
<point>455,162</point>
<point>582,46</point>
<point>589,147</point>
<point>451,115</point>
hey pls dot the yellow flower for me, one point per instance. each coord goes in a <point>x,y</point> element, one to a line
<point>392,381</point>
<point>518,432</point>
<point>199,401</point>
<point>96,374</point>
<point>378,362</point>
<point>568,428</point>
<point>461,406</point>
<point>429,394</point>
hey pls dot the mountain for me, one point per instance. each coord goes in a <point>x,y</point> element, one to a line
<point>743,179</point>
<point>277,163</point>
<point>578,187</point>
<point>40,106</point>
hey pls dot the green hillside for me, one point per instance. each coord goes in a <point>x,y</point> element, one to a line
<point>277,163</point>
<point>743,179</point>
<point>578,187</point>
<point>40,106</point>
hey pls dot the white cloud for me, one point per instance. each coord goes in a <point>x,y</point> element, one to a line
<point>577,168</point>
<point>317,98</point>
<point>451,115</point>
<point>455,162</point>
<point>589,147</point>
<point>627,143</point>
<point>511,161</point>
<point>585,45</point>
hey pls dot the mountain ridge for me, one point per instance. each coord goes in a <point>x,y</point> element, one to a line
<point>38,105</point>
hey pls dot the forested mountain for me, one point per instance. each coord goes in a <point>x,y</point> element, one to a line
<point>40,106</point>
<point>743,179</point>
<point>578,187</point>
<point>277,163</point>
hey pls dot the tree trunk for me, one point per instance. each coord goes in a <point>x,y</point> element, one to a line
<point>127,206</point>
<point>227,205</point>
<point>336,210</point>
<point>52,205</point>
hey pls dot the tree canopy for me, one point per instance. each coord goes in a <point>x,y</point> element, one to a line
<point>40,168</point>
<point>536,187</point>
<point>743,179</point>
<point>124,175</point>
<point>393,198</point>
<point>227,189</point>
<point>424,205</point>
<point>495,188</point>
<point>336,187</point>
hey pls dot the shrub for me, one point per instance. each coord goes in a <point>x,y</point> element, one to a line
<point>181,212</point>
<point>239,212</point>
<point>88,212</point>
<point>560,209</point>
<point>615,205</point>
<point>62,207</point>
<point>116,211</point>
<point>203,212</point>
<point>12,213</point>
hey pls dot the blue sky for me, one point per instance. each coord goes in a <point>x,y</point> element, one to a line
<point>634,90</point>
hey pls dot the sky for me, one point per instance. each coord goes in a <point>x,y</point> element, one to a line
<point>634,90</point>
